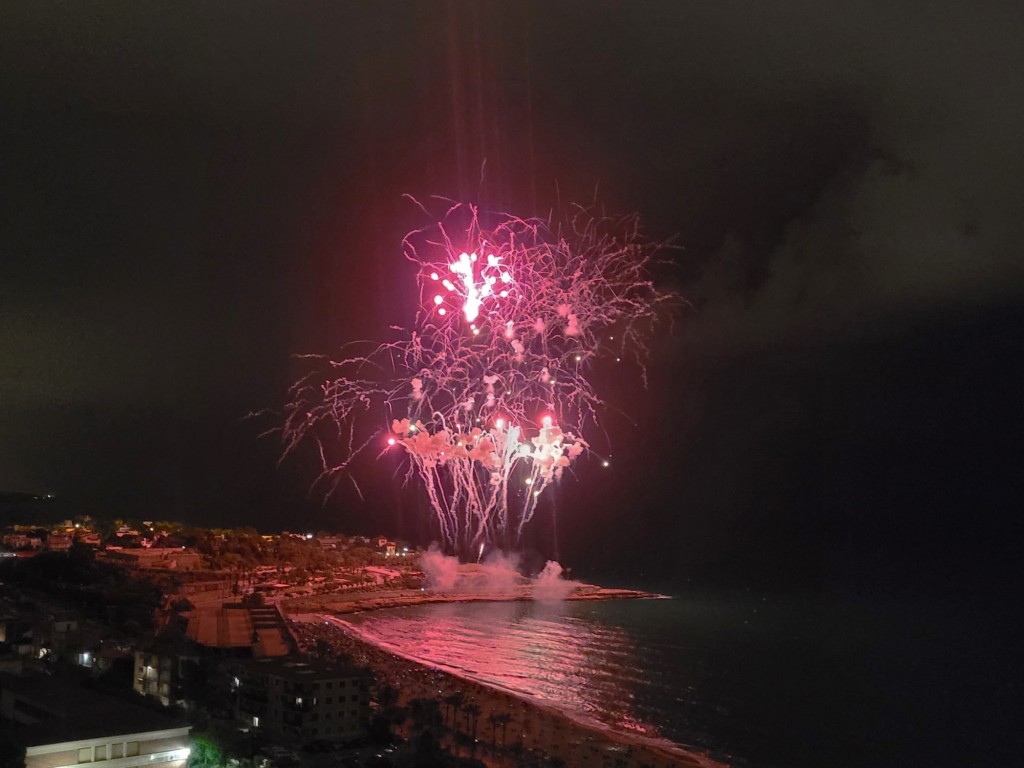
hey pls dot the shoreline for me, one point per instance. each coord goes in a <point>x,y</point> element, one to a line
<point>355,602</point>
<point>572,737</point>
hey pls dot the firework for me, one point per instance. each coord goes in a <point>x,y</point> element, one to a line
<point>489,394</point>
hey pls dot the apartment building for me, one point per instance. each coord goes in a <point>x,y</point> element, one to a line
<point>303,699</point>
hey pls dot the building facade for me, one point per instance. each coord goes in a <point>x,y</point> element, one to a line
<point>168,748</point>
<point>158,676</point>
<point>63,725</point>
<point>303,700</point>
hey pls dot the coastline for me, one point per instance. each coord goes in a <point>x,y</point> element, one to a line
<point>543,728</point>
<point>341,603</point>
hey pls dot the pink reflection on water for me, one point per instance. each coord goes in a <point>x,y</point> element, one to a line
<point>531,649</point>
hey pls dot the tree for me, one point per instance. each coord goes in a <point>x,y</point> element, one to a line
<point>428,751</point>
<point>425,713</point>
<point>387,696</point>
<point>503,720</point>
<point>182,604</point>
<point>253,600</point>
<point>205,753</point>
<point>493,720</point>
<point>455,700</point>
<point>472,712</point>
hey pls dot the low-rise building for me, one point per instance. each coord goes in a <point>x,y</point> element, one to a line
<point>303,699</point>
<point>59,542</point>
<point>62,725</point>
<point>154,557</point>
<point>21,541</point>
<point>56,634</point>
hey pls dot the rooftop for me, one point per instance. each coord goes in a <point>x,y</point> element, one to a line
<point>78,713</point>
<point>299,669</point>
<point>227,627</point>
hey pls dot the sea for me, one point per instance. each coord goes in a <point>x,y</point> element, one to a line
<point>760,680</point>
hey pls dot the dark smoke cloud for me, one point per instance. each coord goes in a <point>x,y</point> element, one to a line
<point>916,216</point>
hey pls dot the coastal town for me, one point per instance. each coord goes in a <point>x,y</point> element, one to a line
<point>153,642</point>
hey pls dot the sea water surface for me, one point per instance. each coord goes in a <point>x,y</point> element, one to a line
<point>751,680</point>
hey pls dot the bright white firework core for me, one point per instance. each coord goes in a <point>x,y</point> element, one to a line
<point>540,304</point>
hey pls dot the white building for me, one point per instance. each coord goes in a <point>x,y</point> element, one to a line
<point>62,726</point>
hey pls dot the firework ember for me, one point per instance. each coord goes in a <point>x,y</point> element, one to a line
<point>489,394</point>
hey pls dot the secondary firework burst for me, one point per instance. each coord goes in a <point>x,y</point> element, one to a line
<point>490,395</point>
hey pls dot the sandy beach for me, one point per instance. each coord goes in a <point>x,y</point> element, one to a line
<point>542,731</point>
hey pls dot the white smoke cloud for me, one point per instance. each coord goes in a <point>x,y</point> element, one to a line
<point>549,586</point>
<point>501,572</point>
<point>499,575</point>
<point>440,570</point>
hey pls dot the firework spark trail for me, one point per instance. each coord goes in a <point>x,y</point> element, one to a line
<point>489,393</point>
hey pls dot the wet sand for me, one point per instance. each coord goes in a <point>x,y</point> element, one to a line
<point>540,729</point>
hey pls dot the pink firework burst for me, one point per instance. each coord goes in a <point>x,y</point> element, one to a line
<point>489,395</point>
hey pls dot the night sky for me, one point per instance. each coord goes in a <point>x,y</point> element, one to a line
<point>192,193</point>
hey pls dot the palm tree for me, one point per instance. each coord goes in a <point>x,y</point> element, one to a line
<point>424,713</point>
<point>456,700</point>
<point>493,720</point>
<point>472,711</point>
<point>434,711</point>
<point>503,720</point>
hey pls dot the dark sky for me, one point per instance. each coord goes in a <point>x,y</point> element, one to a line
<point>191,193</point>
